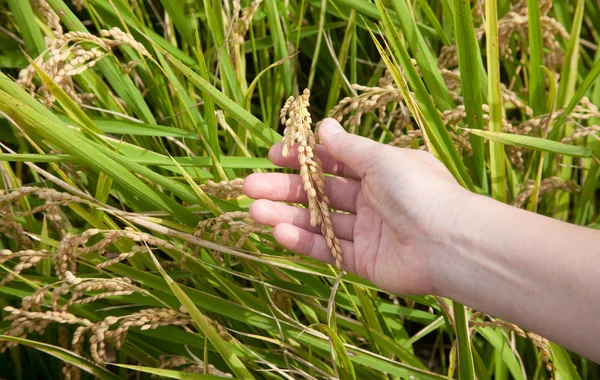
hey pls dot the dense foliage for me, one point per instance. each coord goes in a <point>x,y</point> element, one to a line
<point>127,127</point>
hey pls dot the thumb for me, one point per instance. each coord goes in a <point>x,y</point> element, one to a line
<point>356,152</point>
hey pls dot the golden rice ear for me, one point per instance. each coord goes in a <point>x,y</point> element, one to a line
<point>547,185</point>
<point>224,189</point>
<point>27,258</point>
<point>69,57</point>
<point>298,129</point>
<point>223,226</point>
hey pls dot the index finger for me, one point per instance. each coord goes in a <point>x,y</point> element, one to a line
<point>330,164</point>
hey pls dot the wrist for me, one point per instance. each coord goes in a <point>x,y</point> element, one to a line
<point>458,240</point>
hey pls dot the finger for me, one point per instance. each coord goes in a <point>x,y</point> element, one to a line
<point>272,213</point>
<point>313,245</point>
<point>330,164</point>
<point>342,192</point>
<point>356,152</point>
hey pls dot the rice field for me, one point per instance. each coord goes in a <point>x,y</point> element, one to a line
<point>128,127</point>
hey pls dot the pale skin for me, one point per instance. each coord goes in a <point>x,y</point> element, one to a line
<point>408,226</point>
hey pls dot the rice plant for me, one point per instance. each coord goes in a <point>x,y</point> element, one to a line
<point>128,127</point>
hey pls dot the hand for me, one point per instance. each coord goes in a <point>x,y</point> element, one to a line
<point>408,227</point>
<point>398,205</point>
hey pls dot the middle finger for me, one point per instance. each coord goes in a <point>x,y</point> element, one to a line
<point>342,192</point>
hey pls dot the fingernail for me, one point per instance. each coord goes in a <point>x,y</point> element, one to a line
<point>331,126</point>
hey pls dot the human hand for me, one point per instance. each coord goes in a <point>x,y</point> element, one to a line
<point>399,207</point>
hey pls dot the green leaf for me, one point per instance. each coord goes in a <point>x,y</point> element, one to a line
<point>497,155</point>
<point>279,41</point>
<point>169,373</point>
<point>198,190</point>
<point>225,62</point>
<point>502,346</point>
<point>588,81</point>
<point>531,142</point>
<point>98,157</point>
<point>562,363</point>
<point>341,354</point>
<point>317,48</point>
<point>154,160</point>
<point>223,347</point>
<point>422,54</point>
<point>209,111</point>
<point>28,26</point>
<point>469,59</point>
<point>466,365</point>
<point>65,356</point>
<point>436,133</point>
<point>257,127</point>
<point>589,187</point>
<point>537,84</point>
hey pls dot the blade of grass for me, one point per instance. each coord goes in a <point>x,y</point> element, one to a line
<point>468,52</point>
<point>236,86</point>
<point>422,53</point>
<point>441,143</point>
<point>341,354</point>
<point>168,373</point>
<point>280,42</point>
<point>209,111</point>
<point>176,10</point>
<point>466,366</point>
<point>194,116</point>
<point>224,348</point>
<point>256,80</point>
<point>26,21</point>
<point>582,89</point>
<point>582,209</point>
<point>533,199</point>
<point>536,84</point>
<point>201,195</point>
<point>569,74</point>
<point>260,129</point>
<point>65,356</point>
<point>119,127</point>
<point>563,365</point>
<point>531,142</point>
<point>433,19</point>
<point>503,350</point>
<point>566,89</point>
<point>317,50</point>
<point>497,163</point>
<point>123,12</point>
<point>342,58</point>
<point>98,157</point>
<point>158,160</point>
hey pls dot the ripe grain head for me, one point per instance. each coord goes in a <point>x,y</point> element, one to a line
<point>298,130</point>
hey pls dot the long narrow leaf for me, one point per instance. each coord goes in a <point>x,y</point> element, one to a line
<point>64,355</point>
<point>245,118</point>
<point>533,143</point>
<point>207,329</point>
<point>497,156</point>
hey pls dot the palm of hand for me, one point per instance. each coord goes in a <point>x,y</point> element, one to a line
<point>382,235</point>
<point>384,251</point>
